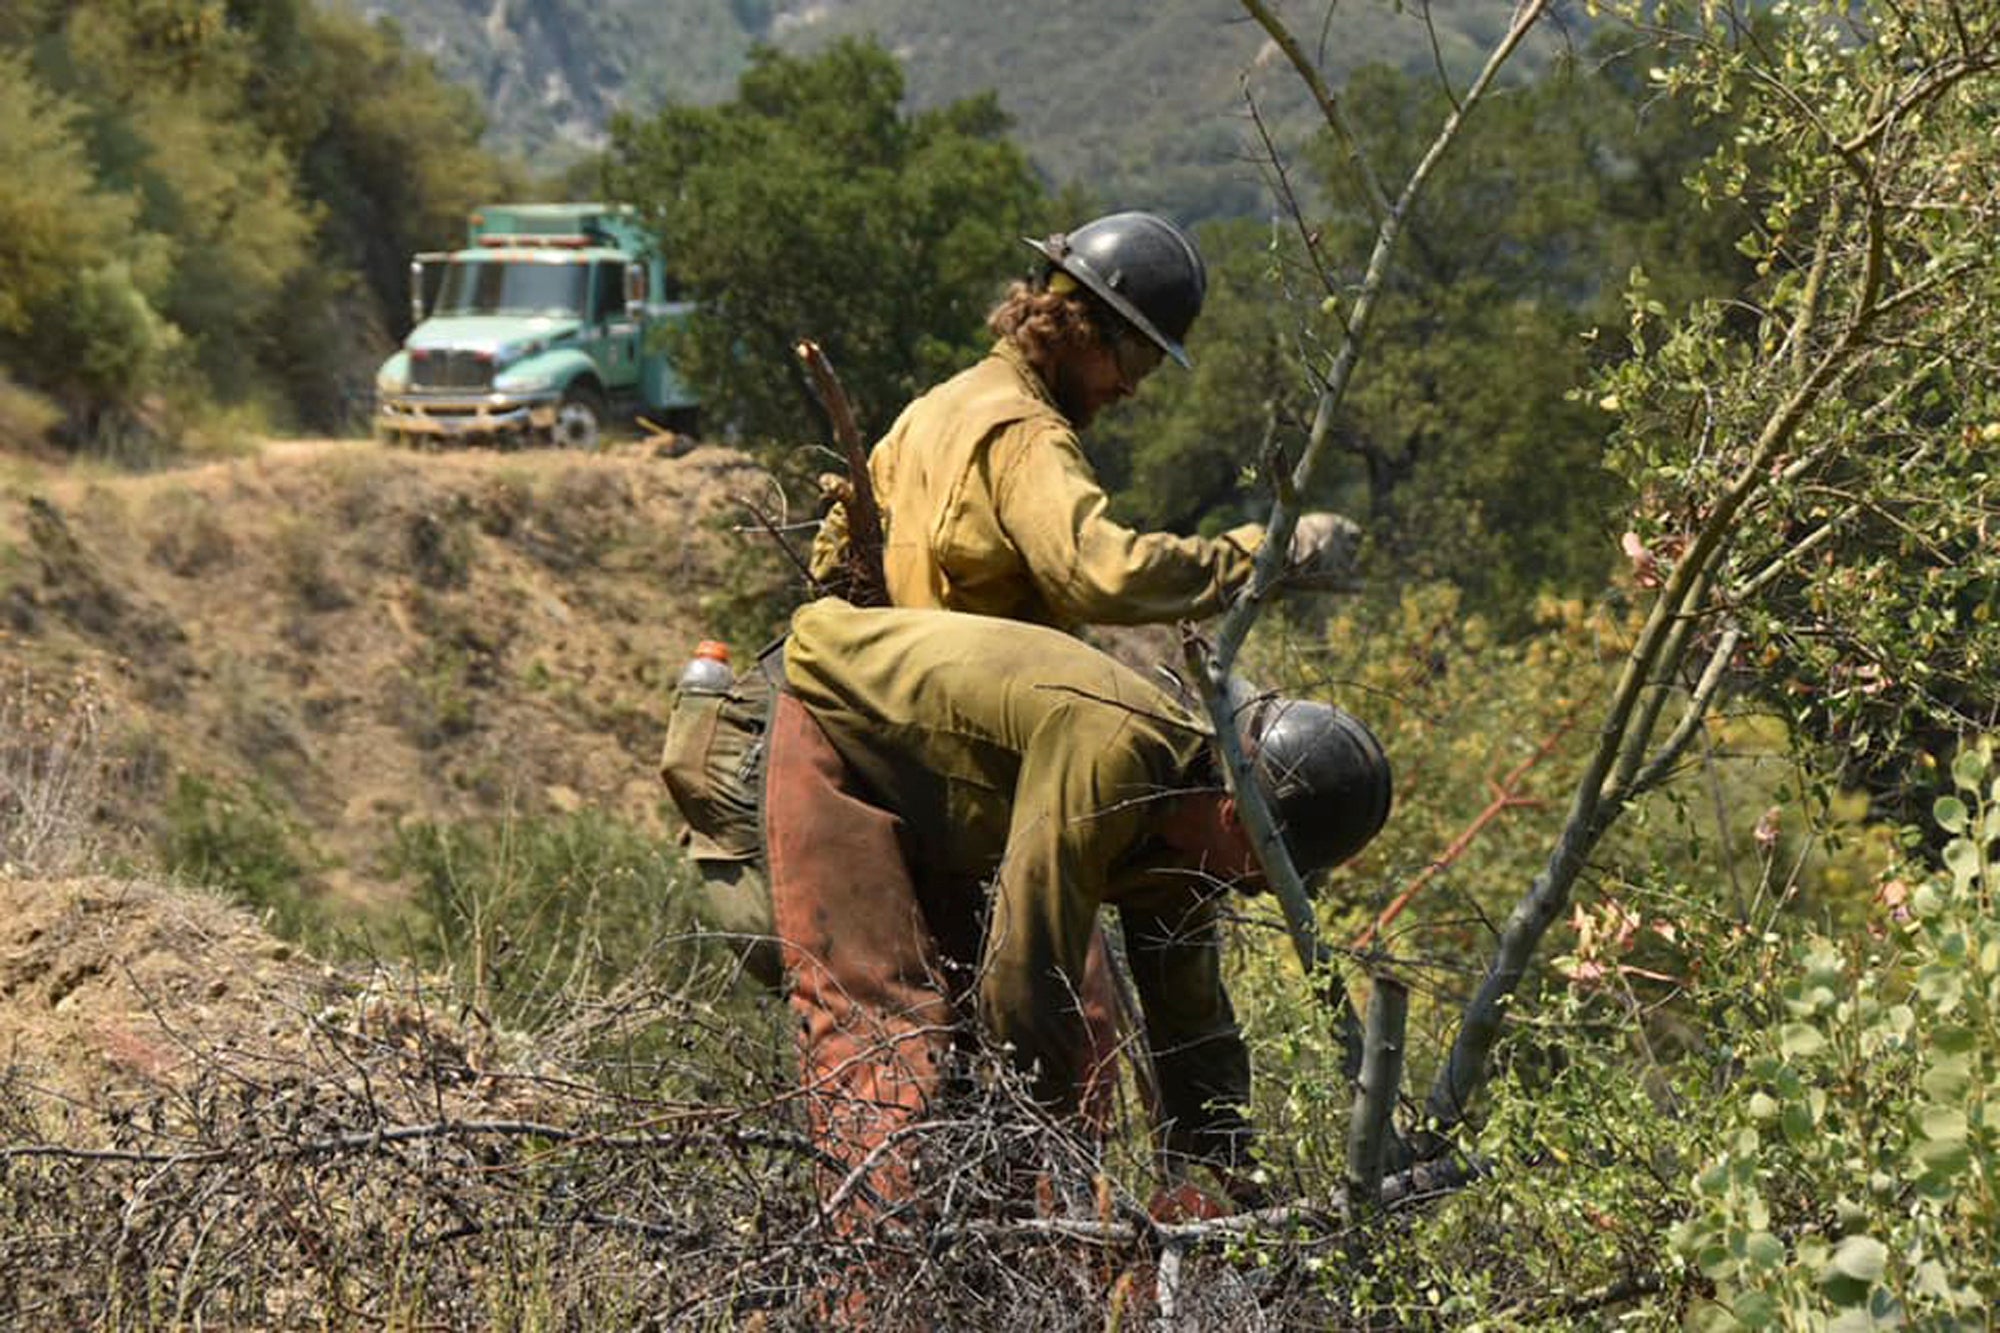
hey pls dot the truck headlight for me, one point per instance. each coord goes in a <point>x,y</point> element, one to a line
<point>394,376</point>
<point>524,379</point>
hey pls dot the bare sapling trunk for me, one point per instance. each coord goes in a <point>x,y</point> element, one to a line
<point>1210,663</point>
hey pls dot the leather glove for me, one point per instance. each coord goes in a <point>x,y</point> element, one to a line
<point>1243,1189</point>
<point>1325,553</point>
<point>1188,1202</point>
<point>835,489</point>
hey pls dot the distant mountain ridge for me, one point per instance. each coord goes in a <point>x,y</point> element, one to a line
<point>1138,100</point>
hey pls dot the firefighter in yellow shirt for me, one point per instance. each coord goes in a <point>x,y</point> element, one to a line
<point>988,505</point>
<point>987,502</point>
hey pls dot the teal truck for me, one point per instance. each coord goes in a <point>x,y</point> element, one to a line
<point>539,331</point>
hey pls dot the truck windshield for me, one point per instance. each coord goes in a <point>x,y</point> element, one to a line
<point>502,287</point>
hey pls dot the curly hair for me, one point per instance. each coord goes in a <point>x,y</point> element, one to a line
<point>1048,326</point>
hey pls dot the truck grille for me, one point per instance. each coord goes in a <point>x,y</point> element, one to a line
<point>451,370</point>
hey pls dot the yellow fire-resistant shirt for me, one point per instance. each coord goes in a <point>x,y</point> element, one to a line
<point>989,506</point>
<point>1035,772</point>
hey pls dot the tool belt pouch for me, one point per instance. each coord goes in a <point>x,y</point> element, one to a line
<point>713,765</point>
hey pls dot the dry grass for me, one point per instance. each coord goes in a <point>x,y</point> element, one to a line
<point>380,606</point>
<point>26,418</point>
<point>52,773</point>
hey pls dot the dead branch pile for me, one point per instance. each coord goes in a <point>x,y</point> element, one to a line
<point>203,1129</point>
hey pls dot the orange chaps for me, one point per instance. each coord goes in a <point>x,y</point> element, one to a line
<point>879,966</point>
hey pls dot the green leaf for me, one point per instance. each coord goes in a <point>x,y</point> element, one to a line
<point>1944,987</point>
<point>1933,1279</point>
<point>1962,857</point>
<point>1755,1309</point>
<point>1764,1249</point>
<point>1968,770</point>
<point>1942,1123</point>
<point>1926,902</point>
<point>1953,1039</point>
<point>1800,1041</point>
<point>1948,1077</point>
<point>1847,1292</point>
<point>1715,1319</point>
<point>1943,1161</point>
<point>1715,1262</point>
<point>1950,814</point>
<point>1862,1258</point>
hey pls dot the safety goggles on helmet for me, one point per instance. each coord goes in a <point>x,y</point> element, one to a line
<point>1137,356</point>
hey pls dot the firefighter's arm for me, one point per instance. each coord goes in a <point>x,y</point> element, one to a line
<point>1091,569</point>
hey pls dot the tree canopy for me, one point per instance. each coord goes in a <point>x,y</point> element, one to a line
<point>225,198</point>
<point>1462,411</point>
<point>814,205</point>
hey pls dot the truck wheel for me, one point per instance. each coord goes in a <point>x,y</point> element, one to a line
<point>579,419</point>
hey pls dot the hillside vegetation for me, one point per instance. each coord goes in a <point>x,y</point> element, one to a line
<point>297,654</point>
<point>209,217</point>
<point>1136,103</point>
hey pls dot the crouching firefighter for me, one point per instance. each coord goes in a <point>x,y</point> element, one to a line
<point>949,801</point>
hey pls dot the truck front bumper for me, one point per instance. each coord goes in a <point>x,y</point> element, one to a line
<point>454,417</point>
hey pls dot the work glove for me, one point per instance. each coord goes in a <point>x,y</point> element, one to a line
<point>834,489</point>
<point>1325,553</point>
<point>1186,1201</point>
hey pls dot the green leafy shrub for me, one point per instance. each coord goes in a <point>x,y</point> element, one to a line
<point>531,915</point>
<point>1856,1184</point>
<point>1622,1054</point>
<point>815,205</point>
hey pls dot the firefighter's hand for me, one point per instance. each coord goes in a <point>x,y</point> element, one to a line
<point>1325,553</point>
<point>1236,1192</point>
<point>1243,1189</point>
<point>834,489</point>
<point>1186,1202</point>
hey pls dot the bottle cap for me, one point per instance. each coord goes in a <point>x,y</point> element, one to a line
<point>713,649</point>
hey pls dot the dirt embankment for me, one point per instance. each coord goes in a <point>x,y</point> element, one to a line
<point>366,636</point>
<point>355,638</point>
<point>120,997</point>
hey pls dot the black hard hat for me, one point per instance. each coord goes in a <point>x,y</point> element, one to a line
<point>1323,774</point>
<point>1142,266</point>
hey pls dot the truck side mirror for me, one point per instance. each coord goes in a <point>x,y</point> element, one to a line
<point>635,290</point>
<point>416,292</point>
